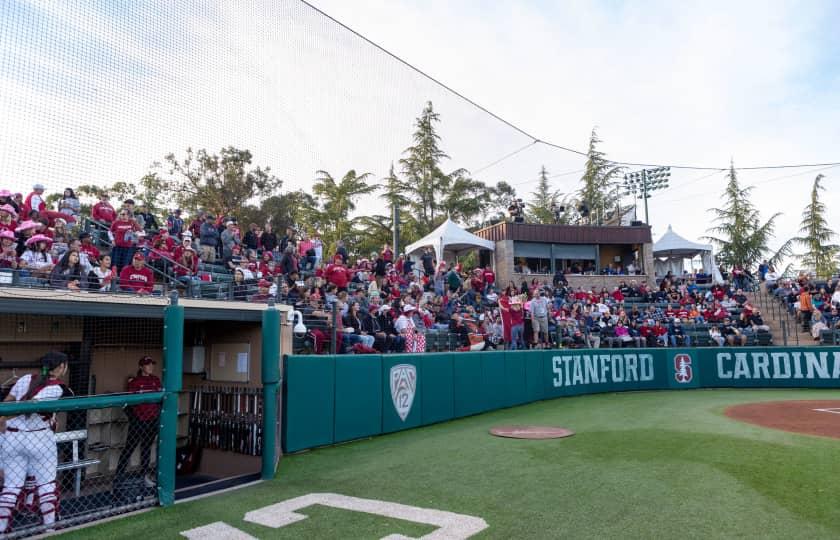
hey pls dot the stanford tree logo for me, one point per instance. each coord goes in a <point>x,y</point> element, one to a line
<point>403,386</point>
<point>682,368</point>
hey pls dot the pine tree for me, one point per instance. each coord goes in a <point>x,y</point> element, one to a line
<point>820,255</point>
<point>741,237</point>
<point>424,182</point>
<point>543,200</point>
<point>598,192</point>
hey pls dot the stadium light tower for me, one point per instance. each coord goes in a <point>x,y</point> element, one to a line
<point>639,184</point>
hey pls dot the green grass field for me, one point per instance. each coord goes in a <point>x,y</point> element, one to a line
<point>642,465</point>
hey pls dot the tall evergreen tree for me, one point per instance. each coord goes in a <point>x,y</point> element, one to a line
<point>425,182</point>
<point>598,191</point>
<point>741,238</point>
<point>820,254</point>
<point>543,199</point>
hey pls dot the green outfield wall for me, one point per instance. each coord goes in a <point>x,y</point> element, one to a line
<point>332,399</point>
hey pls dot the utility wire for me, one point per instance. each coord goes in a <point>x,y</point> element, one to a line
<point>501,159</point>
<point>533,138</point>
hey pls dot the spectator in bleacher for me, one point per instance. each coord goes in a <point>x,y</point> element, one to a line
<point>103,276</point>
<point>150,224</point>
<point>69,204</point>
<point>806,307</point>
<point>103,212</point>
<point>8,253</point>
<point>263,295</point>
<point>123,235</point>
<point>517,324</point>
<point>287,238</point>
<point>318,246</point>
<point>136,277</point>
<point>35,200</point>
<point>195,225</point>
<point>8,217</point>
<point>84,258</point>
<point>229,238</point>
<point>6,198</point>
<point>69,273</point>
<point>763,268</point>
<point>341,249</point>
<point>357,325</point>
<point>17,202</point>
<point>209,239</point>
<point>240,289</point>
<point>336,273</point>
<point>24,232</point>
<point>716,336</point>
<point>252,238</point>
<point>306,252</point>
<point>175,223</point>
<point>186,270</point>
<point>677,334</point>
<point>37,260</point>
<point>818,324</point>
<point>732,334</point>
<point>268,239</point>
<point>86,246</point>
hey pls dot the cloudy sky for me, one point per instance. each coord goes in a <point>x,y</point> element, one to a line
<point>97,91</point>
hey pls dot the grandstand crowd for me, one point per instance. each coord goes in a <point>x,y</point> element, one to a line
<point>385,302</point>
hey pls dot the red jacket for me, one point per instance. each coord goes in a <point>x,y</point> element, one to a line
<point>92,252</point>
<point>489,277</point>
<point>337,275</point>
<point>120,228</point>
<point>103,211</point>
<point>27,204</point>
<point>140,384</point>
<point>139,281</point>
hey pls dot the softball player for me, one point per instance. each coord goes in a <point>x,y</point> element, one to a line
<point>29,446</point>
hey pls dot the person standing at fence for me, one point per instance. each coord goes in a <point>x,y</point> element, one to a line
<point>29,446</point>
<point>142,421</point>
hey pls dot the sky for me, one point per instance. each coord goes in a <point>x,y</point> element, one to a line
<point>94,92</point>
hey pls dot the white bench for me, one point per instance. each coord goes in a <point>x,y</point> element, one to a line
<point>76,464</point>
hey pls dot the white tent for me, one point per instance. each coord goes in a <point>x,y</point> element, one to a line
<point>671,250</point>
<point>449,237</point>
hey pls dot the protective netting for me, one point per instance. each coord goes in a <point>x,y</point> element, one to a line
<point>94,93</point>
<point>66,467</point>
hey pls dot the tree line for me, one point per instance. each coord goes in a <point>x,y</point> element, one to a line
<point>228,183</point>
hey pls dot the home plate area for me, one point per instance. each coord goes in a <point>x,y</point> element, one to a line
<point>450,526</point>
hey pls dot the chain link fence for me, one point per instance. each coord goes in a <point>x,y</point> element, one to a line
<point>80,419</point>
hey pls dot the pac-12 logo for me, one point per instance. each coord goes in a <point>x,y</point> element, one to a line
<point>403,386</point>
<point>682,368</point>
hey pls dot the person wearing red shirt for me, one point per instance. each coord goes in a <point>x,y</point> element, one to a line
<point>103,212</point>
<point>617,295</point>
<point>88,248</point>
<point>35,200</point>
<point>137,277</point>
<point>142,422</point>
<point>122,233</point>
<point>163,235</point>
<point>489,277</point>
<point>387,253</point>
<point>337,274</point>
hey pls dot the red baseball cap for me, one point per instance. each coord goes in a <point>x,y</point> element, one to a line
<point>146,360</point>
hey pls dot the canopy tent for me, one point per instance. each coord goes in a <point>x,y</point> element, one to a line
<point>449,237</point>
<point>671,250</point>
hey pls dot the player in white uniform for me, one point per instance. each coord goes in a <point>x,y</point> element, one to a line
<point>29,443</point>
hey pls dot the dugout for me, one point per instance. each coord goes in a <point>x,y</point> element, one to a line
<point>105,336</point>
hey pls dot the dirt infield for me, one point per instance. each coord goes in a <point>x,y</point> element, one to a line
<point>809,417</point>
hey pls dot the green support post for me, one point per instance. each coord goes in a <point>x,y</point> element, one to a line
<point>270,381</point>
<point>173,360</point>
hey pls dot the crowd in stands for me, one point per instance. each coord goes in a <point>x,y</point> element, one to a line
<point>814,302</point>
<point>384,302</point>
